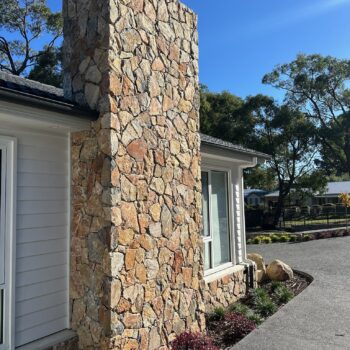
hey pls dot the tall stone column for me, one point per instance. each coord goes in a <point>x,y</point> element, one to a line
<point>136,250</point>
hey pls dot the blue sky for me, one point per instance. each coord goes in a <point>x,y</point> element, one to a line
<point>241,40</point>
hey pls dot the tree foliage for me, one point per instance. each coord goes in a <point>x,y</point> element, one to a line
<point>221,117</point>
<point>319,86</point>
<point>261,177</point>
<point>47,68</point>
<point>24,22</point>
<point>289,137</point>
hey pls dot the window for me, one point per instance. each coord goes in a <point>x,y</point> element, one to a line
<point>216,222</point>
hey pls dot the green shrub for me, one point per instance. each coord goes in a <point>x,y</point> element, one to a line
<point>265,307</point>
<point>284,238</point>
<point>257,240</point>
<point>260,293</point>
<point>239,308</point>
<point>275,238</point>
<point>283,294</point>
<point>292,239</point>
<point>250,241</point>
<point>219,313</point>
<point>266,240</point>
<point>255,318</point>
<point>245,311</point>
<point>263,303</point>
<point>275,285</point>
<point>306,238</point>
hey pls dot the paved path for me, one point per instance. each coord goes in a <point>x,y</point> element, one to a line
<point>319,318</point>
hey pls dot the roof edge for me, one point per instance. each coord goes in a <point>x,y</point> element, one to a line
<point>49,104</point>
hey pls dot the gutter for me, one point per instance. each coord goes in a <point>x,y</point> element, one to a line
<point>30,100</point>
<point>238,149</point>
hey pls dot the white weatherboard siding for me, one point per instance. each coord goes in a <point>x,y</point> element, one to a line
<point>42,234</point>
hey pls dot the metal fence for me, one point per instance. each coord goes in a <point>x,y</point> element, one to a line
<point>315,217</point>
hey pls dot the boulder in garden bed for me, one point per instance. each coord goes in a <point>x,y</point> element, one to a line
<point>279,271</point>
<point>259,261</point>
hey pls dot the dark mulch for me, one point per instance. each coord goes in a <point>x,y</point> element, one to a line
<point>297,284</point>
<point>217,327</point>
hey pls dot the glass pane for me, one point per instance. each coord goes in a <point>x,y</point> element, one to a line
<point>205,204</point>
<point>219,218</point>
<point>207,255</point>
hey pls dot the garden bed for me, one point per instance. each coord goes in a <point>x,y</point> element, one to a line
<point>228,326</point>
<point>285,237</point>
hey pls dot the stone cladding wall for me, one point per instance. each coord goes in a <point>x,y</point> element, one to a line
<point>226,290</point>
<point>136,249</point>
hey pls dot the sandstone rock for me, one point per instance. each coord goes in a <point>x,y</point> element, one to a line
<point>92,93</point>
<point>279,271</point>
<point>137,149</point>
<point>259,261</point>
<point>166,220</point>
<point>132,321</point>
<point>260,275</point>
<point>93,75</point>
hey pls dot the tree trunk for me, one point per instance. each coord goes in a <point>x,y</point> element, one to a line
<point>347,151</point>
<point>278,210</point>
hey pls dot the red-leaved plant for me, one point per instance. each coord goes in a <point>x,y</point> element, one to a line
<point>237,326</point>
<point>193,341</point>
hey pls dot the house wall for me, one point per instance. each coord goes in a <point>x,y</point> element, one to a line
<point>41,301</point>
<point>227,285</point>
<point>137,264</point>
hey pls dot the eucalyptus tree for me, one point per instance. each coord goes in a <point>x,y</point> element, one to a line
<point>288,136</point>
<point>319,86</point>
<point>28,31</point>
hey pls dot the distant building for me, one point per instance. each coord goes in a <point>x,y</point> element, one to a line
<point>254,197</point>
<point>332,193</point>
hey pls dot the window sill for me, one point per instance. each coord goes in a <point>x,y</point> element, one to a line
<point>223,273</point>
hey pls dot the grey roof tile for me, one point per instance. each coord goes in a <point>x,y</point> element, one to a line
<point>213,141</point>
<point>20,84</point>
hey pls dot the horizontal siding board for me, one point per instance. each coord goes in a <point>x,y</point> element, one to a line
<point>42,166</point>
<point>32,193</point>
<point>41,207</point>
<point>41,153</point>
<point>40,275</point>
<point>41,303</point>
<point>41,331</point>
<point>41,289</point>
<point>41,180</point>
<point>40,248</point>
<point>41,261</point>
<point>41,220</point>
<point>41,234</point>
<point>36,318</point>
<point>44,141</point>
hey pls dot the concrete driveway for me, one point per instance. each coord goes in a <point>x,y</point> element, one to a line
<point>319,318</point>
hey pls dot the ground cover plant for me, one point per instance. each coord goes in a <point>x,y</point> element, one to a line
<point>227,326</point>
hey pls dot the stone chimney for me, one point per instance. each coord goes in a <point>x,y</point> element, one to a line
<point>136,249</point>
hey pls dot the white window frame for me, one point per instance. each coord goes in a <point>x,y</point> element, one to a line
<point>8,146</point>
<point>228,171</point>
